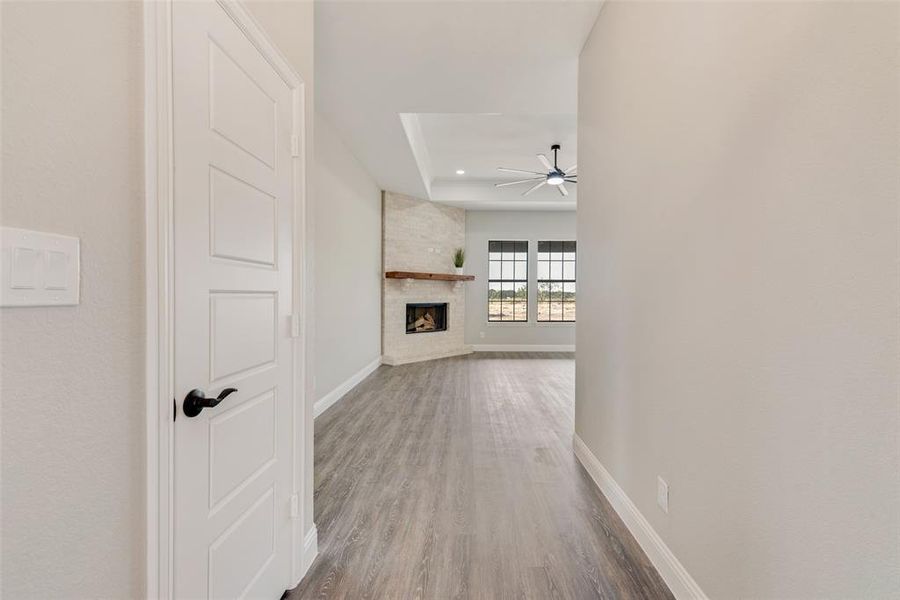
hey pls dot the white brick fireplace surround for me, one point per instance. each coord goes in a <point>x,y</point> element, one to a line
<point>421,236</point>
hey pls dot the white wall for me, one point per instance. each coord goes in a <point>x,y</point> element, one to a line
<point>348,262</point>
<point>738,316</point>
<point>72,377</point>
<point>483,226</point>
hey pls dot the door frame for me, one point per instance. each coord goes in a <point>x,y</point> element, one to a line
<point>159,296</point>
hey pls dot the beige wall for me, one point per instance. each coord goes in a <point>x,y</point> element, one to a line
<point>738,319</point>
<point>72,377</point>
<point>348,263</point>
<point>483,226</point>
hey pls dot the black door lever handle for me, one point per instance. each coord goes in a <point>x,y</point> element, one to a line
<point>196,401</point>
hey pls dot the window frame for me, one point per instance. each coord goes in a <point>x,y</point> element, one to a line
<point>562,280</point>
<point>526,281</point>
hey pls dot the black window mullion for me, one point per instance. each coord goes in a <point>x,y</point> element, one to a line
<point>509,298</point>
<point>555,252</point>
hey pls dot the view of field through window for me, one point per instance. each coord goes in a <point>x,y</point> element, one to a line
<point>508,281</point>
<point>556,281</point>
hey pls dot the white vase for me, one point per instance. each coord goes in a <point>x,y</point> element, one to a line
<point>459,270</point>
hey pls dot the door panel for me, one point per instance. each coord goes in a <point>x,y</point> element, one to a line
<point>243,330</point>
<point>243,551</point>
<point>243,221</point>
<point>242,445</point>
<point>239,108</point>
<point>233,294</point>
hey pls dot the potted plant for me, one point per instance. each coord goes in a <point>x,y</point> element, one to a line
<point>459,257</point>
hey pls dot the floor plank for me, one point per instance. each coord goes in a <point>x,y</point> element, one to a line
<point>455,478</point>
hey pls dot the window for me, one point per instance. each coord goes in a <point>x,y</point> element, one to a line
<point>556,281</point>
<point>508,281</point>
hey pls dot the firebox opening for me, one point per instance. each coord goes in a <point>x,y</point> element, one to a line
<point>426,317</point>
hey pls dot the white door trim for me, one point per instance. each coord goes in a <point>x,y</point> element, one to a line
<point>158,169</point>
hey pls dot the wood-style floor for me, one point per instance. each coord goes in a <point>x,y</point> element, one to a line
<point>455,478</point>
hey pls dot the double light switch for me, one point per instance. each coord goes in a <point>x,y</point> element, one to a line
<point>38,269</point>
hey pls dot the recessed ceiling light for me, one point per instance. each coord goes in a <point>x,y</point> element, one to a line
<point>460,172</point>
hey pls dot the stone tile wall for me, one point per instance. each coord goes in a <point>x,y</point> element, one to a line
<point>419,235</point>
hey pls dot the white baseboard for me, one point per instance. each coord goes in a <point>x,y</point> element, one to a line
<point>524,348</point>
<point>337,393</point>
<point>670,569</point>
<point>310,551</point>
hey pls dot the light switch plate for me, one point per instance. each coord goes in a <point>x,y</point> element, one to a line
<point>38,269</point>
<point>662,494</point>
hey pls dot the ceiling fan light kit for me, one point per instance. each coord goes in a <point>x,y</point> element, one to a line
<point>554,175</point>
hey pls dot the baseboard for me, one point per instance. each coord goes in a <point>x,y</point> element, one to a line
<point>337,393</point>
<point>670,569</point>
<point>524,348</point>
<point>310,551</point>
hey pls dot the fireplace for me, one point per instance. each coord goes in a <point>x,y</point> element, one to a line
<point>426,317</point>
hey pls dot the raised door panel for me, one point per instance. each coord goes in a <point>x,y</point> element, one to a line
<point>243,328</point>
<point>240,110</point>
<point>243,221</point>
<point>242,445</point>
<point>243,551</point>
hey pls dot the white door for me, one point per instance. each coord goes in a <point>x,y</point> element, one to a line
<point>232,289</point>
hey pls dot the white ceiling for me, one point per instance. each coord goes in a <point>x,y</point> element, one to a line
<point>485,83</point>
<point>481,143</point>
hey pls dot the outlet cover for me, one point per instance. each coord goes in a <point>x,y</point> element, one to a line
<point>662,494</point>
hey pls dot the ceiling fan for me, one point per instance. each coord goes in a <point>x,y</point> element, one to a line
<point>554,175</point>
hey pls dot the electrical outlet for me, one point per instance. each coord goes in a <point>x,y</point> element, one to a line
<point>481,334</point>
<point>662,494</point>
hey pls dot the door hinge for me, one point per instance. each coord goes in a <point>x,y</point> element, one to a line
<point>295,506</point>
<point>295,145</point>
<point>295,326</point>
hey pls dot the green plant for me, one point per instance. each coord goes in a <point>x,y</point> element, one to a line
<point>459,257</point>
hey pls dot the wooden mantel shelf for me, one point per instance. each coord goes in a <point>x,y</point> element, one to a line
<point>431,276</point>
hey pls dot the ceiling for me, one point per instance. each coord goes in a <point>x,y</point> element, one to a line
<point>419,89</point>
<point>478,144</point>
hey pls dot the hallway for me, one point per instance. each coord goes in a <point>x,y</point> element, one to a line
<point>456,478</point>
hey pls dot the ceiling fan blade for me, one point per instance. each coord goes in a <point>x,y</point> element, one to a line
<point>505,183</point>
<point>571,169</point>
<point>520,171</point>
<point>571,180</point>
<point>562,189</point>
<point>545,161</point>
<point>535,187</point>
